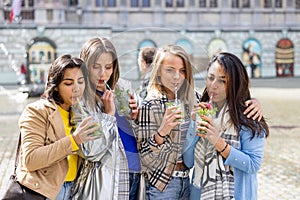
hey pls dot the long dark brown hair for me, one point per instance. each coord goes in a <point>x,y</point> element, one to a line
<point>237,92</point>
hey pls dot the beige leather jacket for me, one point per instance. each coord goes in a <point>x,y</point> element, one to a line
<point>44,149</point>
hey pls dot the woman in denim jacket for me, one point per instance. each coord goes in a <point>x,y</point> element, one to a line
<point>229,151</point>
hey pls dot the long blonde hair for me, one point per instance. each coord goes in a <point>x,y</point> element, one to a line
<point>186,91</point>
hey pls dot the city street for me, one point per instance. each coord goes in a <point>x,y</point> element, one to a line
<point>279,176</point>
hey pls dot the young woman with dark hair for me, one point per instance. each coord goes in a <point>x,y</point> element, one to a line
<point>229,151</point>
<point>48,158</point>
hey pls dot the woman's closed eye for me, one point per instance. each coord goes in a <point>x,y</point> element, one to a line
<point>109,66</point>
<point>68,83</point>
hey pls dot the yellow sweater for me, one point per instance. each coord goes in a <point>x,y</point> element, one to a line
<point>72,159</point>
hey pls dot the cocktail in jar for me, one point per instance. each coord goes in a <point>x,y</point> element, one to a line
<point>178,106</point>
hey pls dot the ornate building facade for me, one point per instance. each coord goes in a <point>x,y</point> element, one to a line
<point>263,33</point>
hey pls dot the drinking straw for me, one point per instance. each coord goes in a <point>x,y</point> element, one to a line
<point>107,85</point>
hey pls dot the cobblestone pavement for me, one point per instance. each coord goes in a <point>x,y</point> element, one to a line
<point>279,176</point>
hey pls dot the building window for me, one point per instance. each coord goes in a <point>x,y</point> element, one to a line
<point>30,3</point>
<point>49,57</point>
<point>169,3</point>
<point>216,46</point>
<point>278,4</point>
<point>246,4</point>
<point>111,3</point>
<point>267,3</point>
<point>134,3</point>
<point>146,43</point>
<point>73,2</point>
<point>235,4</point>
<point>33,56</point>
<point>27,15</point>
<point>186,45</point>
<point>180,3</point>
<point>202,3</point>
<point>213,3</point>
<point>252,57</point>
<point>99,3</point>
<point>49,15</point>
<point>41,56</point>
<point>285,58</point>
<point>146,3</point>
<point>297,4</point>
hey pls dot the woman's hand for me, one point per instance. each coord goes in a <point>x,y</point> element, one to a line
<point>133,106</point>
<point>84,131</point>
<point>254,109</point>
<point>207,125</point>
<point>108,102</point>
<point>169,120</point>
<point>213,136</point>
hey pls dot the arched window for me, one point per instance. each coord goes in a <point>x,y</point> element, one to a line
<point>146,43</point>
<point>42,52</point>
<point>186,45</point>
<point>252,57</point>
<point>284,58</point>
<point>216,46</point>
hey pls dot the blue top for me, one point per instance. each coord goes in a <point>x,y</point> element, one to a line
<point>129,143</point>
<point>246,161</point>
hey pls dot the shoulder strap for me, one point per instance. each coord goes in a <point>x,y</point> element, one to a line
<point>17,153</point>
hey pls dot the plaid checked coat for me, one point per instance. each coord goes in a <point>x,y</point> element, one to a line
<point>158,161</point>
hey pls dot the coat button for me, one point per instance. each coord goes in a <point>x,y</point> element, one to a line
<point>36,184</point>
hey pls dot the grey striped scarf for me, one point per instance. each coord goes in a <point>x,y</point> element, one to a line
<point>215,179</point>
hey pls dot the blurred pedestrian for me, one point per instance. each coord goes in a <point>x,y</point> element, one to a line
<point>229,152</point>
<point>48,159</point>
<point>145,60</point>
<point>22,77</point>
